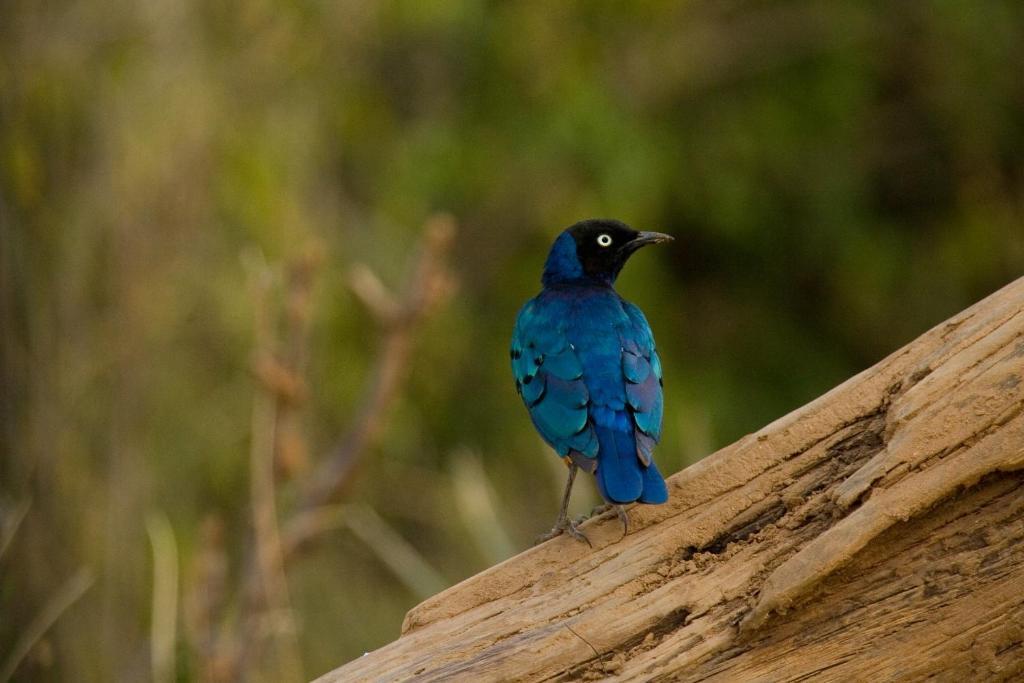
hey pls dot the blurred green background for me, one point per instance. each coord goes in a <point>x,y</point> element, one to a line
<point>839,177</point>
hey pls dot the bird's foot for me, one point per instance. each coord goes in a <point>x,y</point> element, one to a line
<point>573,530</point>
<point>564,526</point>
<point>620,511</point>
<point>624,518</point>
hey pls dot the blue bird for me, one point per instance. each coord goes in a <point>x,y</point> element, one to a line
<point>587,369</point>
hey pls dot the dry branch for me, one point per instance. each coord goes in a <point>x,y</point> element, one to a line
<point>275,432</point>
<point>264,614</point>
<point>428,285</point>
<point>874,534</point>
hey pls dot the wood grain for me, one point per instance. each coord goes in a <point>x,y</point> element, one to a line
<point>877,534</point>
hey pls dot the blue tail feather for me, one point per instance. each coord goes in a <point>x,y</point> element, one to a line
<point>655,492</point>
<point>618,471</point>
<point>621,476</point>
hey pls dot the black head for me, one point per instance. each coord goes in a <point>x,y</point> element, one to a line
<point>595,250</point>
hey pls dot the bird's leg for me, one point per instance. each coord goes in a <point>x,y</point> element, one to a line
<point>624,518</point>
<point>564,524</point>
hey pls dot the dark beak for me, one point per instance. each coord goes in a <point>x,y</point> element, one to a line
<point>644,238</point>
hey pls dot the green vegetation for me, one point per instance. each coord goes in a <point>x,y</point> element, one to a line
<point>839,178</point>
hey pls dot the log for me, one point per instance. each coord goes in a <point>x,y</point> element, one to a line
<point>876,533</point>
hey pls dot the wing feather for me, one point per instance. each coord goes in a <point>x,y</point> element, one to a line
<point>641,368</point>
<point>549,377</point>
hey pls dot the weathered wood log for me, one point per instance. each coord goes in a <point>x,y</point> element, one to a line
<point>874,534</point>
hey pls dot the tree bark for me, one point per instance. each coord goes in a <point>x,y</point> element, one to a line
<point>877,534</point>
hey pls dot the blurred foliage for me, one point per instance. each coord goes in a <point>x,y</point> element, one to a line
<point>839,176</point>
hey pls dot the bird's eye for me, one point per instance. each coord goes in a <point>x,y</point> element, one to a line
<point>604,240</point>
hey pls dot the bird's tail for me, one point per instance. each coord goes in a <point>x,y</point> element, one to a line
<point>621,475</point>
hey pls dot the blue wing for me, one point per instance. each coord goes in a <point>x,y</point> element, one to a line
<point>549,378</point>
<point>641,369</point>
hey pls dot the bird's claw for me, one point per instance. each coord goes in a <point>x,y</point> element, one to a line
<point>573,530</point>
<point>565,526</point>
<point>620,511</point>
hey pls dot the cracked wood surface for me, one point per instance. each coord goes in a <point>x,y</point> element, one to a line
<point>876,533</point>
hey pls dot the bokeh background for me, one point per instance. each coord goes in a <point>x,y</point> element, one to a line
<point>210,211</point>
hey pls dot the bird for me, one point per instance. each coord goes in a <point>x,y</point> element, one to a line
<point>587,369</point>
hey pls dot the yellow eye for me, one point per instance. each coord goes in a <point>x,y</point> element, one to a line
<point>604,240</point>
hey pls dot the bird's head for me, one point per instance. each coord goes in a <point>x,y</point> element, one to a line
<point>594,251</point>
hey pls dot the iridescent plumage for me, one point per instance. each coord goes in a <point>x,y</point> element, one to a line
<point>587,368</point>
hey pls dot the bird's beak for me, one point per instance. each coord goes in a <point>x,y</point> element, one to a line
<point>645,238</point>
